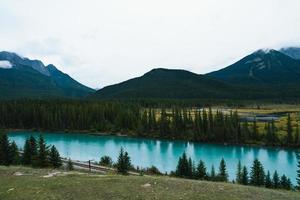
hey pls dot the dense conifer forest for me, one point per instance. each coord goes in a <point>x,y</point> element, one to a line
<point>139,119</point>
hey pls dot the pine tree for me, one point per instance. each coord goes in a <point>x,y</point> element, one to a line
<point>42,153</point>
<point>223,175</point>
<point>257,175</point>
<point>4,150</point>
<point>183,168</point>
<point>245,178</point>
<point>268,182</point>
<point>289,130</point>
<point>54,157</point>
<point>70,166</point>
<point>276,181</point>
<point>26,157</point>
<point>201,171</point>
<point>212,175</point>
<point>239,173</point>
<point>14,154</point>
<point>285,182</point>
<point>123,163</point>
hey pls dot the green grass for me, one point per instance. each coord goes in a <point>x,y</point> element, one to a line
<point>83,186</point>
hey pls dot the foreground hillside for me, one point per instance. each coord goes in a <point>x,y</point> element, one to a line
<point>26,183</point>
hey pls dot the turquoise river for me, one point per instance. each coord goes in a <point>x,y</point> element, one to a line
<point>164,154</point>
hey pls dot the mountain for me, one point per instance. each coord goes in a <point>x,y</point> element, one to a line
<point>166,83</point>
<point>264,74</point>
<point>172,84</point>
<point>24,78</point>
<point>293,52</point>
<point>263,67</point>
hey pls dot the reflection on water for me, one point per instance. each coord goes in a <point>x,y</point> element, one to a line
<point>164,154</point>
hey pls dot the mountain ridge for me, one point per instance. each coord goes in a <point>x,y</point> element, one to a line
<point>25,78</point>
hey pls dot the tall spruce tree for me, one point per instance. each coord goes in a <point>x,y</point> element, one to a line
<point>26,157</point>
<point>4,150</point>
<point>268,181</point>
<point>223,175</point>
<point>212,175</point>
<point>285,182</point>
<point>54,157</point>
<point>42,153</point>
<point>245,177</point>
<point>275,180</point>
<point>184,167</point>
<point>123,163</point>
<point>14,154</point>
<point>257,175</point>
<point>201,171</point>
<point>239,173</point>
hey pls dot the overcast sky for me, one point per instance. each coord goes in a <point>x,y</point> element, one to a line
<point>101,42</point>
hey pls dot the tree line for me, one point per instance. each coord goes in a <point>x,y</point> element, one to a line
<point>35,153</point>
<point>200,125</point>
<point>255,177</point>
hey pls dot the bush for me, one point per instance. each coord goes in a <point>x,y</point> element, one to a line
<point>106,161</point>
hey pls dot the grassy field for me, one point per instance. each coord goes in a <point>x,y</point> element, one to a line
<point>22,183</point>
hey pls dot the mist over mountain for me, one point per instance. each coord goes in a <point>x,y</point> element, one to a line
<point>293,52</point>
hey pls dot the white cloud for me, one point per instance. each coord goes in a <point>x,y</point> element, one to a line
<point>4,64</point>
<point>103,42</point>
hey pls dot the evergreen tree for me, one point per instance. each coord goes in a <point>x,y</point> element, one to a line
<point>201,171</point>
<point>268,182</point>
<point>14,154</point>
<point>239,173</point>
<point>5,158</point>
<point>33,146</point>
<point>212,175</point>
<point>289,130</point>
<point>257,175</point>
<point>285,182</point>
<point>70,166</point>
<point>26,157</point>
<point>245,178</point>
<point>276,181</point>
<point>54,157</point>
<point>223,175</point>
<point>42,153</point>
<point>123,163</point>
<point>183,168</point>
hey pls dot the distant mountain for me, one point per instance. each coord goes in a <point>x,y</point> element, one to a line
<point>176,84</point>
<point>167,83</point>
<point>264,74</point>
<point>21,77</point>
<point>263,67</point>
<point>293,52</point>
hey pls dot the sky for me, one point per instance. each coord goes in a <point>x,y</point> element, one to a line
<point>103,42</point>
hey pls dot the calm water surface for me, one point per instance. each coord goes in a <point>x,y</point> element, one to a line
<point>164,154</point>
